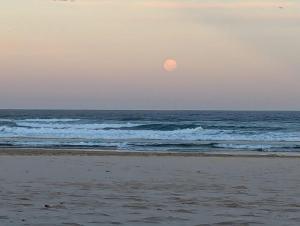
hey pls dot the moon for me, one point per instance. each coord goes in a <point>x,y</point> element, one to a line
<point>170,65</point>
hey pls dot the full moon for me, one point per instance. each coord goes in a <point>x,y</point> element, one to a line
<point>170,65</point>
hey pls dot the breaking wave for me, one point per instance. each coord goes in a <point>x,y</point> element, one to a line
<point>152,133</point>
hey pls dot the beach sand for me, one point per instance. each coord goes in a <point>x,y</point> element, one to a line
<point>47,188</point>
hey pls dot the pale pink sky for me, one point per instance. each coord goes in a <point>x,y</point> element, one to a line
<point>106,54</point>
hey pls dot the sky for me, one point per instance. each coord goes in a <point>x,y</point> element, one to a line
<point>109,54</point>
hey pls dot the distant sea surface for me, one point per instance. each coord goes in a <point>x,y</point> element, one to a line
<point>181,131</point>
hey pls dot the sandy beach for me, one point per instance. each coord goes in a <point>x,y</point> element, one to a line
<point>117,189</point>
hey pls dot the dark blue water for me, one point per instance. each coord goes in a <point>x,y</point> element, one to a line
<point>152,130</point>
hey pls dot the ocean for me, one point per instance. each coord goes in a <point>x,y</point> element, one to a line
<point>177,131</point>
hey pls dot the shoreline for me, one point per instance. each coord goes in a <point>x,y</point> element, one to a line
<point>7,151</point>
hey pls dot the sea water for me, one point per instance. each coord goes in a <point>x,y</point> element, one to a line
<point>266,131</point>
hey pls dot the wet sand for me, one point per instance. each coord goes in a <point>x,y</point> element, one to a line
<point>94,152</point>
<point>47,189</point>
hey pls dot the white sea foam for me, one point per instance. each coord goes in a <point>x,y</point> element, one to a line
<point>73,126</point>
<point>96,131</point>
<point>49,120</point>
<point>6,120</point>
<point>64,143</point>
<point>244,146</point>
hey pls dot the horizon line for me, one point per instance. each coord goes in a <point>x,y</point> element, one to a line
<point>91,109</point>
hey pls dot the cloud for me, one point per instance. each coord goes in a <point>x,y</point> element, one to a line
<point>215,5</point>
<point>85,1</point>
